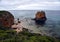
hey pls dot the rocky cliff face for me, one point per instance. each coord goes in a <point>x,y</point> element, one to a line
<point>40,18</point>
<point>6,19</point>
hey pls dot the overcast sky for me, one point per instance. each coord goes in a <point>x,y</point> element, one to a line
<point>29,4</point>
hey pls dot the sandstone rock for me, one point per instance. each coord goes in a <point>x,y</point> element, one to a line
<point>6,19</point>
<point>40,18</point>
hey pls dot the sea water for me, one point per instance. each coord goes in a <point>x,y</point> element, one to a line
<point>52,26</point>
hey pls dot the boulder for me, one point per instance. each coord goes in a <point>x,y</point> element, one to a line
<point>6,19</point>
<point>40,18</point>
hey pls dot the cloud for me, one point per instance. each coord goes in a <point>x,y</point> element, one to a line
<point>29,4</point>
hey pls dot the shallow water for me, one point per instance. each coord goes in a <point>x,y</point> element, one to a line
<point>51,28</point>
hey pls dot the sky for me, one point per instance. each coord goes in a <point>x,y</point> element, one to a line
<point>29,4</point>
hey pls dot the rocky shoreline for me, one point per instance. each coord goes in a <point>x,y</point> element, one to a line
<point>47,29</point>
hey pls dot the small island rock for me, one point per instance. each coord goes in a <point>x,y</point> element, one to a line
<point>40,18</point>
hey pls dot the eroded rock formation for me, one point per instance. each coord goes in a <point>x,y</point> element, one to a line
<point>40,18</point>
<point>6,19</point>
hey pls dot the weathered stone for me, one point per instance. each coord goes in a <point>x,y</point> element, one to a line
<point>6,19</point>
<point>40,18</point>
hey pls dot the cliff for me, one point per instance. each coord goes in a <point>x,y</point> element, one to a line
<point>6,19</point>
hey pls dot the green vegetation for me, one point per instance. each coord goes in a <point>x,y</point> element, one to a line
<point>24,36</point>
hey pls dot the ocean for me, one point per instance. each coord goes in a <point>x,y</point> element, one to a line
<point>52,26</point>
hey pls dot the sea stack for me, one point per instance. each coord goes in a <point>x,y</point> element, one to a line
<point>40,18</point>
<point>6,19</point>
